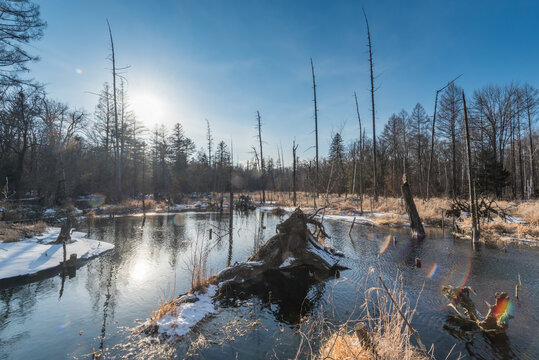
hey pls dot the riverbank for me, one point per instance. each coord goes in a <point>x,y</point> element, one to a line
<point>521,223</point>
<point>31,256</point>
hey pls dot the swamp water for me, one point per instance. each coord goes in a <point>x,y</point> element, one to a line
<point>68,317</point>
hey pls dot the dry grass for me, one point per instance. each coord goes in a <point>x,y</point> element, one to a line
<point>390,338</point>
<point>166,307</point>
<point>529,212</point>
<point>430,211</point>
<point>343,345</point>
<point>17,232</point>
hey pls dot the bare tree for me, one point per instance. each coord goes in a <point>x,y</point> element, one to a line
<point>531,103</point>
<point>361,146</point>
<point>262,167</point>
<point>20,23</point>
<point>294,148</point>
<point>471,187</point>
<point>118,160</point>
<point>315,130</point>
<point>375,183</point>
<point>433,130</point>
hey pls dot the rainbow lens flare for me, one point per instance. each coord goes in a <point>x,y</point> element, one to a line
<point>503,310</point>
<point>96,200</point>
<point>77,71</point>
<point>385,244</point>
<point>66,323</point>
<point>433,270</point>
<point>178,220</point>
<point>461,271</point>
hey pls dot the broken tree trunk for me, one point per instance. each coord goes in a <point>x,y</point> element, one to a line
<point>65,236</point>
<point>497,316</point>
<point>294,246</point>
<point>416,226</point>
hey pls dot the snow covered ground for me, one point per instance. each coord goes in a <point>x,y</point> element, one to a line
<point>36,254</point>
<point>188,314</point>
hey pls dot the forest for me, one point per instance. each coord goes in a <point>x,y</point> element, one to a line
<point>55,151</point>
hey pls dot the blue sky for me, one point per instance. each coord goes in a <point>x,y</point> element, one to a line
<point>224,60</point>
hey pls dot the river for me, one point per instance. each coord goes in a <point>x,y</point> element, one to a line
<point>70,316</point>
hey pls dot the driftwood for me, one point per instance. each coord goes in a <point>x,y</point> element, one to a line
<point>293,247</point>
<point>416,226</point>
<point>497,316</point>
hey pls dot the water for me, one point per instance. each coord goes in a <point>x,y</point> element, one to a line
<point>63,317</point>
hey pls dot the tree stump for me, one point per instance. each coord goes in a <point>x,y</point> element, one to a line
<point>416,226</point>
<point>293,247</point>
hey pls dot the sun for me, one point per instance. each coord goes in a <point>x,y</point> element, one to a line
<point>149,109</point>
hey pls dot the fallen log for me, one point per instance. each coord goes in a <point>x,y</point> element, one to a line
<point>494,322</point>
<point>293,247</point>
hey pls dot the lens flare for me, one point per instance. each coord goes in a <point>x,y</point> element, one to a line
<point>178,220</point>
<point>385,244</point>
<point>77,71</point>
<point>433,270</point>
<point>503,310</point>
<point>465,274</point>
<point>66,323</point>
<point>96,200</point>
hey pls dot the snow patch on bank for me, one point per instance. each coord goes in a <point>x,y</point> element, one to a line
<point>188,314</point>
<point>36,254</point>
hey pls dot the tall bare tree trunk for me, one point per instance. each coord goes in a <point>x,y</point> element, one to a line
<point>471,187</point>
<point>375,180</point>
<point>433,131</point>
<point>259,125</point>
<point>117,145</point>
<point>520,165</point>
<point>294,148</point>
<point>531,150</point>
<point>315,130</point>
<point>432,143</point>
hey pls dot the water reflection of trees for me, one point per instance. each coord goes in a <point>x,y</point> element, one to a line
<point>17,304</point>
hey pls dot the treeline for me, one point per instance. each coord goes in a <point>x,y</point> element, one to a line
<point>55,152</point>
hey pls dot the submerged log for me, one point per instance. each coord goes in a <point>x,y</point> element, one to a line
<point>416,226</point>
<point>294,246</point>
<point>497,316</point>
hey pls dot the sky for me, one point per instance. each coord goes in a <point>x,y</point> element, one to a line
<point>225,60</point>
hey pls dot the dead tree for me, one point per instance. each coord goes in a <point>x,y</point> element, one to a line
<point>262,167</point>
<point>294,148</point>
<point>471,188</point>
<point>433,131</point>
<point>361,141</point>
<point>416,226</point>
<point>293,247</point>
<point>315,129</point>
<point>116,130</point>
<point>495,322</point>
<point>375,184</point>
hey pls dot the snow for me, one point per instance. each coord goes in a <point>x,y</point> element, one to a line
<point>515,219</point>
<point>30,256</point>
<point>288,262</point>
<point>325,256</point>
<point>188,314</point>
<point>49,212</point>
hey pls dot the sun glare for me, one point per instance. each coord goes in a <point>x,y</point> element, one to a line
<point>139,271</point>
<point>148,108</point>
